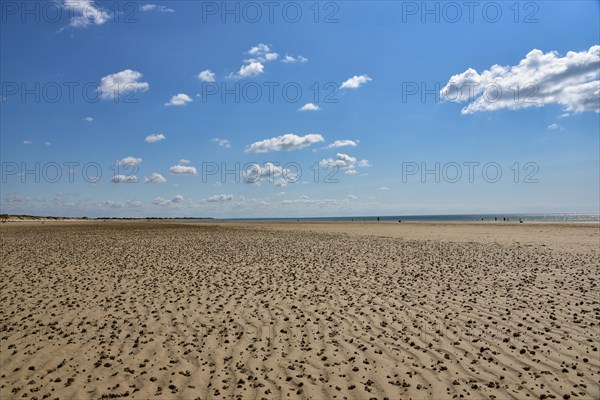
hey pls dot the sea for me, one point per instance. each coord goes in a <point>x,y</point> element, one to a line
<point>564,217</point>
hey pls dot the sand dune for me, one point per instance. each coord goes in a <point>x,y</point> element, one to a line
<point>197,311</point>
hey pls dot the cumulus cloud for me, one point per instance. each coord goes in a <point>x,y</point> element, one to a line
<point>309,107</point>
<point>219,198</point>
<point>207,76</point>
<point>304,200</point>
<point>47,143</point>
<point>262,52</point>
<point>287,142</point>
<point>183,170</point>
<point>222,142</point>
<point>155,7</point>
<point>124,179</point>
<point>343,161</point>
<point>539,79</point>
<point>155,178</point>
<point>120,204</point>
<point>27,142</point>
<point>15,198</point>
<point>355,82</point>
<point>129,161</point>
<point>253,68</point>
<point>384,188</point>
<point>184,161</point>
<point>155,137</point>
<point>160,201</point>
<point>86,12</point>
<point>180,99</point>
<point>255,173</point>
<point>88,119</point>
<point>259,49</point>
<point>124,82</point>
<point>555,127</point>
<point>342,143</point>
<point>288,59</point>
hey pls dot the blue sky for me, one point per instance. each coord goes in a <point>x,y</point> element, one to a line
<point>369,125</point>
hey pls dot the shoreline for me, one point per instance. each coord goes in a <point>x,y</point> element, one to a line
<point>561,235</point>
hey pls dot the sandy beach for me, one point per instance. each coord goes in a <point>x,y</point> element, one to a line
<point>165,310</point>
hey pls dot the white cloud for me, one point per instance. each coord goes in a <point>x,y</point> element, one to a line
<point>351,197</point>
<point>180,99</point>
<point>269,171</point>
<point>155,178</point>
<point>254,66</point>
<point>219,198</point>
<point>280,194</point>
<point>342,143</point>
<point>355,82</point>
<point>539,79</point>
<point>309,107</point>
<point>304,200</point>
<point>15,198</point>
<point>155,137</point>
<point>384,188</point>
<point>127,81</point>
<point>262,52</point>
<point>556,127</point>
<point>287,142</point>
<point>124,179</point>
<point>271,56</point>
<point>88,119</point>
<point>343,161</point>
<point>291,59</point>
<point>222,142</point>
<point>130,161</point>
<point>207,76</point>
<point>259,49</point>
<point>184,161</point>
<point>154,7</point>
<point>183,170</point>
<point>364,163</point>
<point>281,182</point>
<point>47,143</point>
<point>120,204</point>
<point>85,12</point>
<point>160,201</point>
<point>27,142</point>
<point>252,69</point>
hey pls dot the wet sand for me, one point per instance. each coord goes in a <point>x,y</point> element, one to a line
<point>161,310</point>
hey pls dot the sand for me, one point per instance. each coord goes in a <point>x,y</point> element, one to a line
<point>161,310</point>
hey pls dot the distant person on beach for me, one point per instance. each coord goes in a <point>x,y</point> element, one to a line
<point>377,219</point>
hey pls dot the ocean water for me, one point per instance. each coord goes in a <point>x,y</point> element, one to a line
<point>581,217</point>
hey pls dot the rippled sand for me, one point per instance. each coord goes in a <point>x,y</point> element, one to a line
<point>315,311</point>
